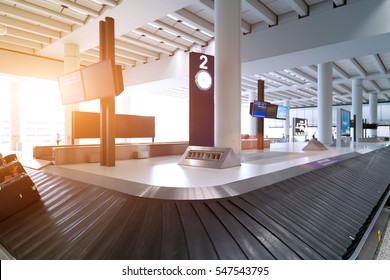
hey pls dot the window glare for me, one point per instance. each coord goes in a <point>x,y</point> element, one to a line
<point>33,114</point>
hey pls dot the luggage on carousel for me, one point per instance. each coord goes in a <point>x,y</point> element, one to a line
<point>17,190</point>
<point>10,170</point>
<point>16,194</point>
<point>10,158</point>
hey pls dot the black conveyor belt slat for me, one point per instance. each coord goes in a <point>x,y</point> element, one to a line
<point>359,180</point>
<point>249,245</point>
<point>319,230</point>
<point>303,191</point>
<point>342,201</point>
<point>321,214</point>
<point>271,244</point>
<point>172,234</point>
<point>124,246</point>
<point>356,198</point>
<point>80,247</point>
<point>198,241</point>
<point>149,241</point>
<point>109,240</point>
<point>294,228</point>
<point>219,235</point>
<point>280,232</point>
<point>296,211</point>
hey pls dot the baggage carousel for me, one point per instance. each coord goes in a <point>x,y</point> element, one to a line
<point>325,213</point>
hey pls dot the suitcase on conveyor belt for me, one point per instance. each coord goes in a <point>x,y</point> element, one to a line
<point>11,170</point>
<point>16,193</point>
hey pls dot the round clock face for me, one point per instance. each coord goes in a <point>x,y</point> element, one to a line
<point>203,80</point>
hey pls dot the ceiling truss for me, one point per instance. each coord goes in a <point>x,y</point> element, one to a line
<point>33,25</point>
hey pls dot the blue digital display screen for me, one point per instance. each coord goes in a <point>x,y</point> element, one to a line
<point>258,109</point>
<point>281,112</point>
<point>345,122</point>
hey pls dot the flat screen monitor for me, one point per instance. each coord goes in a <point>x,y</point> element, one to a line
<point>281,112</point>
<point>271,111</point>
<point>258,109</point>
<point>71,87</point>
<point>118,79</point>
<point>345,122</point>
<point>99,80</point>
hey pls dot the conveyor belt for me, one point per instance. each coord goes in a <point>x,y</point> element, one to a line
<point>321,214</point>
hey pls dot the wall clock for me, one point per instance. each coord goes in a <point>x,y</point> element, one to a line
<point>203,80</point>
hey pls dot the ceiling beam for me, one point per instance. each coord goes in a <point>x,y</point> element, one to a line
<point>378,63</point>
<point>299,6</point>
<point>245,27</point>
<point>162,39</point>
<point>111,3</point>
<point>41,10</point>
<point>31,28</point>
<point>314,68</point>
<point>147,46</point>
<point>386,96</point>
<point>292,77</point>
<point>136,49</point>
<point>130,55</point>
<point>375,85</point>
<point>94,55</point>
<point>308,91</point>
<point>263,11</point>
<point>195,20</point>
<point>278,94</point>
<point>340,71</point>
<point>346,88</point>
<point>34,18</point>
<point>275,76</point>
<point>273,81</point>
<point>339,92</point>
<point>358,67</point>
<point>125,61</point>
<point>370,76</point>
<point>21,42</point>
<point>249,81</point>
<point>247,87</point>
<point>90,56</point>
<point>208,4</point>
<point>79,8</point>
<point>339,2</point>
<point>16,48</point>
<point>181,33</point>
<point>290,93</point>
<point>303,75</point>
<point>28,36</point>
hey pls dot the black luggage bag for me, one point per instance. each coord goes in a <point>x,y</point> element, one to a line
<point>17,190</point>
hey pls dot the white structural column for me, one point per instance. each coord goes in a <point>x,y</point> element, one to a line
<point>287,121</point>
<point>252,120</point>
<point>228,74</point>
<point>15,126</point>
<point>71,63</point>
<point>325,103</point>
<point>357,106</point>
<point>373,101</point>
